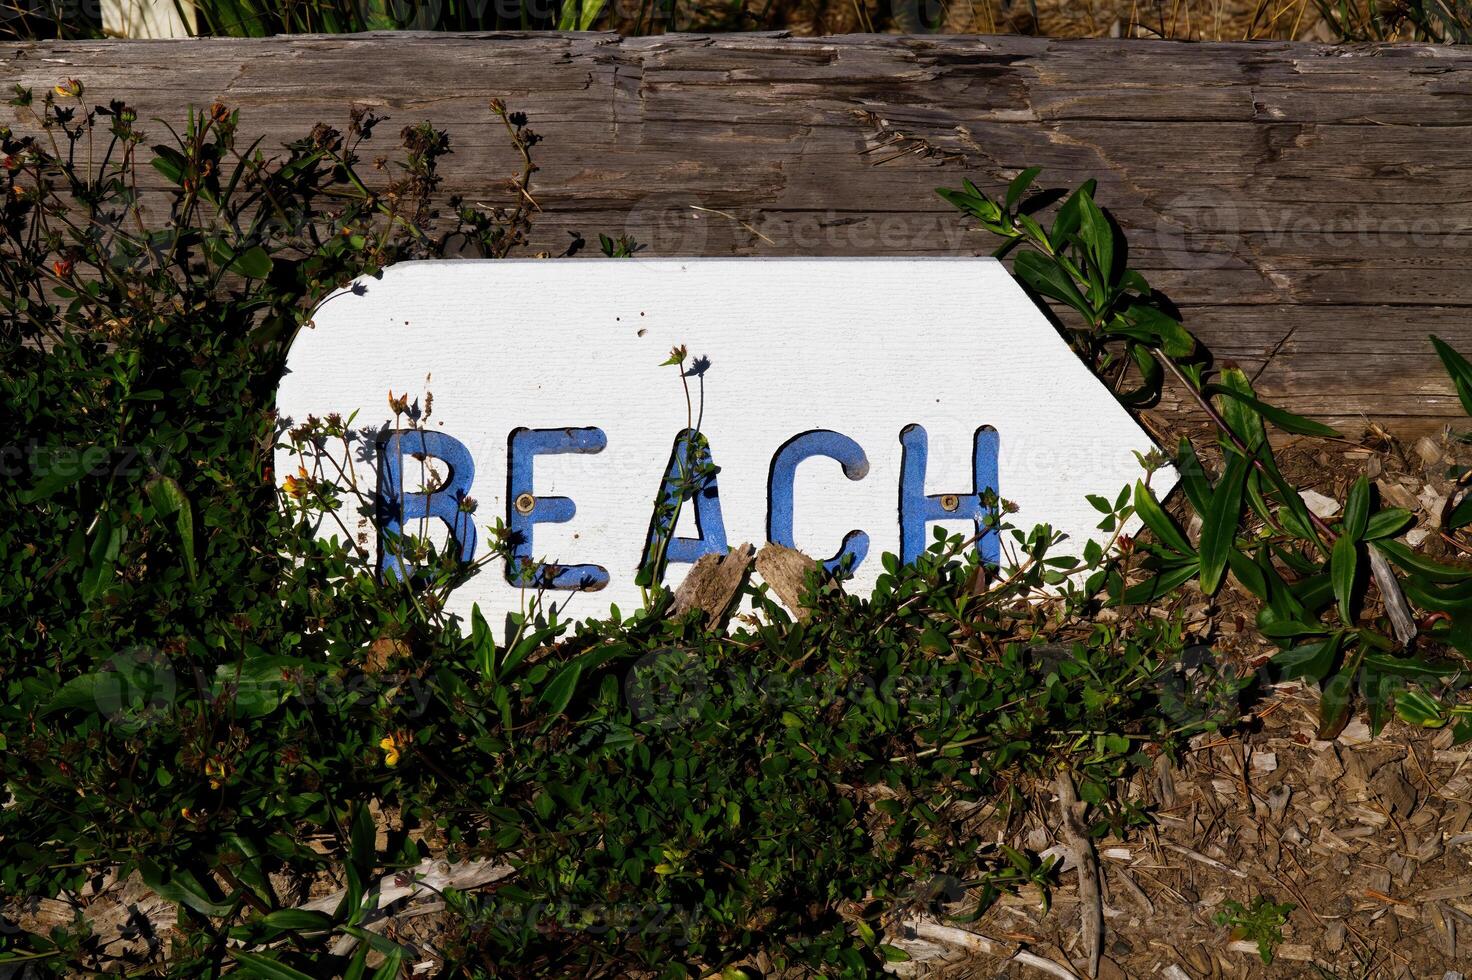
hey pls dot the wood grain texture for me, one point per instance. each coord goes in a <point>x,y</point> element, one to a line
<point>1309,207</point>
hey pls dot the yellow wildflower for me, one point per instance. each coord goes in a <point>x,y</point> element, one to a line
<point>390,750</point>
<point>297,486</point>
<point>214,768</point>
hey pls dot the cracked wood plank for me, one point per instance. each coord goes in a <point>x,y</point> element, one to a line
<point>1309,206</point>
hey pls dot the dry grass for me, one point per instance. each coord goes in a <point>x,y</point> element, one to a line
<point>1185,20</point>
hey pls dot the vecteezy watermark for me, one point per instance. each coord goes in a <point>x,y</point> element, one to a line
<point>673,223</point>
<point>61,465</point>
<point>1207,228</point>
<point>135,688</point>
<point>670,688</point>
<point>613,918</point>
<point>667,688</point>
<point>139,687</point>
<point>669,224</point>
<point>54,11</point>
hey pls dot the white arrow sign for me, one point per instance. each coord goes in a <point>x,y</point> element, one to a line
<point>848,405</point>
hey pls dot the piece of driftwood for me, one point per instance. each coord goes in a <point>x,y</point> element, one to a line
<point>786,570</point>
<point>1308,206</point>
<point>127,920</point>
<point>130,921</point>
<point>712,583</point>
<point>970,941</point>
<point>1086,861</point>
<point>1396,607</point>
<point>427,880</point>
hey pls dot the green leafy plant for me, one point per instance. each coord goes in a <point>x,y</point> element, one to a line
<point>1262,923</point>
<point>205,665</point>
<point>210,690</point>
<point>1315,579</point>
<point>1437,21</point>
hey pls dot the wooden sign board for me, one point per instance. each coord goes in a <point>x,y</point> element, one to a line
<point>848,405</point>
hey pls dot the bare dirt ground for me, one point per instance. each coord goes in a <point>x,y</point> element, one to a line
<point>1370,838</point>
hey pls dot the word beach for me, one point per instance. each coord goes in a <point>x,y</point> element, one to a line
<point>844,407</point>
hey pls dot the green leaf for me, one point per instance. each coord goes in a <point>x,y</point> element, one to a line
<point>1420,565</point>
<point>1386,523</point>
<point>182,888</point>
<point>1158,521</point>
<point>266,967</point>
<point>1313,592</point>
<point>1380,694</point>
<point>1283,629</point>
<point>1461,514</point>
<point>1410,668</point>
<point>1193,476</point>
<point>1420,708</point>
<point>579,15</point>
<point>52,480</point>
<point>253,263</point>
<point>102,557</point>
<point>974,203</point>
<point>1311,660</point>
<point>1343,566</point>
<point>255,687</point>
<point>1302,523</point>
<point>1452,599</point>
<point>362,840</point>
<point>298,920</point>
<point>1044,276</point>
<point>1336,697</point>
<point>1161,329</point>
<point>79,692</point>
<point>358,965</point>
<point>1020,184</point>
<point>1239,407</point>
<point>1070,215</point>
<point>934,641</point>
<point>1460,371</point>
<point>1219,523</point>
<point>1098,235</point>
<point>1248,573</point>
<point>169,162</point>
<point>558,694</point>
<point>483,643</point>
<point>372,940</point>
<point>169,498</point>
<point>1285,420</point>
<point>391,967</point>
<point>1151,589</point>
<point>1357,510</point>
<point>1151,375</point>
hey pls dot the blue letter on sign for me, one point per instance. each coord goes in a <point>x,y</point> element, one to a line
<point>917,510</point>
<point>695,472</point>
<point>525,510</point>
<point>395,506</point>
<point>818,442</point>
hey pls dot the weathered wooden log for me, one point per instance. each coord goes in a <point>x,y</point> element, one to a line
<point>1308,206</point>
<point>712,584</point>
<point>786,571</point>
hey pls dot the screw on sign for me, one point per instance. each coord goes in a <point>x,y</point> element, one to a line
<point>844,407</point>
